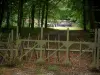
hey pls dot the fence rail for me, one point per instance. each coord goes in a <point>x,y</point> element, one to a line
<point>23,47</point>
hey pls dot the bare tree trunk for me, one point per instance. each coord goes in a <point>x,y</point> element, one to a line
<point>46,16</point>
<point>43,12</point>
<point>32,16</point>
<point>2,7</point>
<point>23,23</point>
<point>39,13</point>
<point>84,15</point>
<point>20,15</point>
<point>29,20</point>
<point>8,15</point>
<point>91,15</point>
<point>39,17</point>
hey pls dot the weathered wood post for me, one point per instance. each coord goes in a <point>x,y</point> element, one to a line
<point>28,44</point>
<point>8,45</point>
<point>58,45</point>
<point>68,63</point>
<point>98,50</point>
<point>41,43</point>
<point>17,41</point>
<point>11,51</point>
<point>48,40</point>
<point>80,48</point>
<point>93,65</point>
<point>48,52</point>
<point>37,52</point>
<point>80,53</point>
<point>55,55</point>
<point>17,33</point>
<point>12,36</point>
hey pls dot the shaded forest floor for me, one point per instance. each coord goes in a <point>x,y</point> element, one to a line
<point>32,69</point>
<point>78,34</point>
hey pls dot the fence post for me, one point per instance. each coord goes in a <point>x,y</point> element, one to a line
<point>48,40</point>
<point>80,53</point>
<point>41,33</point>
<point>58,52</point>
<point>93,65</point>
<point>41,45</point>
<point>17,45</point>
<point>12,35</point>
<point>98,48</point>
<point>41,60</point>
<point>17,33</point>
<point>80,48</point>
<point>55,56</point>
<point>28,40</point>
<point>68,63</point>
<point>11,51</point>
<point>37,52</point>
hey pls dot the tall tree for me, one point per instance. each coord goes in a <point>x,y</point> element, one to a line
<point>43,13</point>
<point>46,16</point>
<point>39,12</point>
<point>8,13</point>
<point>32,15</point>
<point>29,20</point>
<point>84,14</point>
<point>39,16</point>
<point>20,15</point>
<point>91,15</point>
<point>2,11</point>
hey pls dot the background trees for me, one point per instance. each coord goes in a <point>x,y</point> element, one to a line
<point>33,13</point>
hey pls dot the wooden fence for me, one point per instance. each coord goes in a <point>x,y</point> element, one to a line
<point>41,50</point>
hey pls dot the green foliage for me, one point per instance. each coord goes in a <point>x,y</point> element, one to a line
<point>53,68</point>
<point>38,70</point>
<point>57,9</point>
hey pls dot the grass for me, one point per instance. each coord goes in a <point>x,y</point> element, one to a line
<point>26,30</point>
<point>65,28</point>
<point>36,31</point>
<point>53,68</point>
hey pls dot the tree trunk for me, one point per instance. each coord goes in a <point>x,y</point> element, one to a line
<point>91,15</point>
<point>23,23</point>
<point>42,18</point>
<point>20,15</point>
<point>46,16</point>
<point>2,7</point>
<point>8,15</point>
<point>84,15</point>
<point>32,16</point>
<point>39,17</point>
<point>29,20</point>
<point>39,13</point>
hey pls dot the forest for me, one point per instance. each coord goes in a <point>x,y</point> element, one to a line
<point>32,13</point>
<point>28,46</point>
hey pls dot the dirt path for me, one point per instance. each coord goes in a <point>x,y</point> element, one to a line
<point>32,69</point>
<point>32,72</point>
